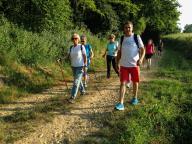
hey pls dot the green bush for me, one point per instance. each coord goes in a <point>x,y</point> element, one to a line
<point>28,60</point>
<point>38,15</point>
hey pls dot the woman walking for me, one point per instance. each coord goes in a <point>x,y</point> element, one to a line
<point>111,51</point>
<point>150,50</point>
<point>77,55</point>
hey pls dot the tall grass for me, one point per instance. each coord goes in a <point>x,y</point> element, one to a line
<point>28,59</point>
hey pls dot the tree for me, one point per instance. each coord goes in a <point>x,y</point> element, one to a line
<point>38,15</point>
<point>188,28</point>
<point>161,15</point>
<point>100,16</point>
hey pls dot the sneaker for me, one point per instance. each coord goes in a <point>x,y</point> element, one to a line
<point>119,106</point>
<point>71,100</point>
<point>134,101</point>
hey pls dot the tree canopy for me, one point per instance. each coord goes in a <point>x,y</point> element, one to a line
<point>100,16</point>
<point>188,28</point>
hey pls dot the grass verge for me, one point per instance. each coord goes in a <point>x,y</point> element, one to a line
<point>166,114</point>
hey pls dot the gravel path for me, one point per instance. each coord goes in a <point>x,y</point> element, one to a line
<point>71,126</point>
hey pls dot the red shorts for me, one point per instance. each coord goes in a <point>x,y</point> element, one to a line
<point>126,72</point>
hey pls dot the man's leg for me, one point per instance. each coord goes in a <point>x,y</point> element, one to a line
<point>135,73</point>
<point>122,92</point>
<point>150,63</point>
<point>120,105</point>
<point>135,89</point>
<point>123,78</point>
<point>129,82</point>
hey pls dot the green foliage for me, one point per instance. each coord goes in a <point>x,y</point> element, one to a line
<point>161,15</point>
<point>125,9</point>
<point>181,42</point>
<point>57,14</point>
<point>140,25</point>
<point>188,28</point>
<point>99,16</point>
<point>2,134</point>
<point>110,22</point>
<point>28,60</point>
<point>87,4</point>
<point>8,94</point>
<point>26,47</point>
<point>38,15</point>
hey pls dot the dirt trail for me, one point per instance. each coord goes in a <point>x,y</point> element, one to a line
<point>30,101</point>
<point>70,126</point>
<point>79,121</point>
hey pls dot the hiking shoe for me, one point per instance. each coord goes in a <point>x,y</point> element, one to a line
<point>71,100</point>
<point>119,106</point>
<point>83,93</point>
<point>134,101</point>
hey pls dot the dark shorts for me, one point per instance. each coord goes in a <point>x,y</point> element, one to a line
<point>159,49</point>
<point>148,56</point>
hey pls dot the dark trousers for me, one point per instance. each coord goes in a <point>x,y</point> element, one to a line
<point>111,59</point>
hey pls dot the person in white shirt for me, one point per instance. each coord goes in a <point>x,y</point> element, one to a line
<point>77,55</point>
<point>130,55</point>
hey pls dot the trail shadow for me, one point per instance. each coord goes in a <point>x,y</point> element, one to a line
<point>15,109</point>
<point>97,107</point>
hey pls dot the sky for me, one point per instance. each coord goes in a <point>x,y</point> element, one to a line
<point>186,12</point>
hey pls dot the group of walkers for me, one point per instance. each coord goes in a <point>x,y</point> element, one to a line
<point>126,57</point>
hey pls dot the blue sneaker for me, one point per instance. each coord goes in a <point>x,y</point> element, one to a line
<point>119,106</point>
<point>134,101</point>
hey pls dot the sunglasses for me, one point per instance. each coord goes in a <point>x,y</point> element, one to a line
<point>74,38</point>
<point>127,27</point>
<point>82,41</point>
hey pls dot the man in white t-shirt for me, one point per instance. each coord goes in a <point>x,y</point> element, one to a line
<point>131,53</point>
<point>77,55</point>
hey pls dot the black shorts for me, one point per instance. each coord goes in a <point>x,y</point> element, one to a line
<point>160,49</point>
<point>148,56</point>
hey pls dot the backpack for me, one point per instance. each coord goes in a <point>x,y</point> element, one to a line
<point>135,39</point>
